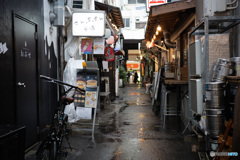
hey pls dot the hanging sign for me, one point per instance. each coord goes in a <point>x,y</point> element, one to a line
<point>154,3</point>
<point>109,54</point>
<point>88,24</point>
<point>98,46</point>
<point>133,65</point>
<point>86,46</point>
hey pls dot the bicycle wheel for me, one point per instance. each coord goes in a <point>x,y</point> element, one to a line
<point>53,150</point>
<point>43,152</point>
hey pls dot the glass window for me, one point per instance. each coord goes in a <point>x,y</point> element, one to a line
<point>126,22</point>
<point>140,25</point>
<point>141,1</point>
<point>136,1</point>
<point>77,4</point>
<point>131,1</point>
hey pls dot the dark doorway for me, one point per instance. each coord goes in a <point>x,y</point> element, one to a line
<point>26,76</point>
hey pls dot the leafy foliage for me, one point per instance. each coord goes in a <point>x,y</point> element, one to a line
<point>123,74</point>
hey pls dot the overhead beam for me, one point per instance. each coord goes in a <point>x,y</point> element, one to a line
<point>173,7</point>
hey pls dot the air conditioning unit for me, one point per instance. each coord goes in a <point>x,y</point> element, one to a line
<point>195,53</point>
<point>212,7</point>
<point>196,96</point>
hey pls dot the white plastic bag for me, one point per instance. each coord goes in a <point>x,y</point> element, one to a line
<point>70,73</point>
<point>71,112</point>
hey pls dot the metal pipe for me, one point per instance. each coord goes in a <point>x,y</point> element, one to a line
<point>232,2</point>
<point>167,40</point>
<point>229,8</point>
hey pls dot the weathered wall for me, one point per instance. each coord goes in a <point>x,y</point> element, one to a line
<point>32,10</point>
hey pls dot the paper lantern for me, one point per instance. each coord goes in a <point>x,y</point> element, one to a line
<point>110,40</point>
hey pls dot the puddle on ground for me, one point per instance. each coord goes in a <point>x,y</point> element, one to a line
<point>107,128</point>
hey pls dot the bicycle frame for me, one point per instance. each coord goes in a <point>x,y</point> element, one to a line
<point>59,126</point>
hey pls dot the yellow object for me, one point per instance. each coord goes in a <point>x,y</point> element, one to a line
<point>84,64</point>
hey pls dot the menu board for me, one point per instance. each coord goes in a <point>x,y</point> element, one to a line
<point>79,98</point>
<point>91,99</point>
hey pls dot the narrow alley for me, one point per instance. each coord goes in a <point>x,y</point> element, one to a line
<point>129,129</point>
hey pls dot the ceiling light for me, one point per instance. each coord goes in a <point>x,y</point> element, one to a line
<point>157,32</point>
<point>159,28</point>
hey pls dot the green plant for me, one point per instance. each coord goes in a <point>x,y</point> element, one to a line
<point>123,74</point>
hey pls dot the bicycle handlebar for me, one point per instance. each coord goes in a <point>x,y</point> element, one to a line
<point>60,82</point>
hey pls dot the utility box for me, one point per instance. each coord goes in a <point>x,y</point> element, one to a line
<point>219,5</point>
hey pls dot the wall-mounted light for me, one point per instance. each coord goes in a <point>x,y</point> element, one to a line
<point>157,32</point>
<point>159,28</point>
<point>154,37</point>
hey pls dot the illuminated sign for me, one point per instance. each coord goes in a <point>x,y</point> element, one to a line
<point>154,3</point>
<point>133,65</point>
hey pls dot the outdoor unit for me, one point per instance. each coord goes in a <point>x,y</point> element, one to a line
<point>195,53</point>
<point>196,96</point>
<point>212,7</point>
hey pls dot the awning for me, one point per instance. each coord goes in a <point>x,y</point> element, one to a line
<point>168,16</point>
<point>114,13</point>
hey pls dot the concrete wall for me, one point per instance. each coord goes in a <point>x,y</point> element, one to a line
<point>136,13</point>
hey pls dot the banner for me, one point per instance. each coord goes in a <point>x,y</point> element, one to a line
<point>86,46</point>
<point>109,54</point>
<point>98,46</point>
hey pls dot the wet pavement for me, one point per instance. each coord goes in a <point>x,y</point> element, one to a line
<point>129,130</point>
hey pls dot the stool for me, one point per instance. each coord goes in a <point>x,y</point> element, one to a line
<point>167,110</point>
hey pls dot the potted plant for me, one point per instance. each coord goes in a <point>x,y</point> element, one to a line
<point>122,76</point>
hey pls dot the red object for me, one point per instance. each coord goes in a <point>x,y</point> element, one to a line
<point>109,54</point>
<point>119,53</point>
<point>155,2</point>
<point>133,65</point>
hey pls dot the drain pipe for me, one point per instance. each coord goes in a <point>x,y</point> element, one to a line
<point>167,40</point>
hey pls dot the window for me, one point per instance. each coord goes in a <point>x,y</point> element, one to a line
<point>78,4</point>
<point>140,25</point>
<point>126,22</point>
<point>141,8</point>
<point>136,1</point>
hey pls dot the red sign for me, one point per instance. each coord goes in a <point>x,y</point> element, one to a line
<point>109,54</point>
<point>154,3</point>
<point>133,65</point>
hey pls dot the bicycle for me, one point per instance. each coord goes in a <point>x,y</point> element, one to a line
<point>50,147</point>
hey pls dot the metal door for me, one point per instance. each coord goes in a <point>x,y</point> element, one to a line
<point>26,76</point>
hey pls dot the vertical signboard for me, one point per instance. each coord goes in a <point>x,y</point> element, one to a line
<point>98,46</point>
<point>86,46</point>
<point>154,3</point>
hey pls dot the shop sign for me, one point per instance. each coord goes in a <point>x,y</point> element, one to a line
<point>86,46</point>
<point>109,54</point>
<point>88,24</point>
<point>98,46</point>
<point>133,65</point>
<point>154,3</point>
